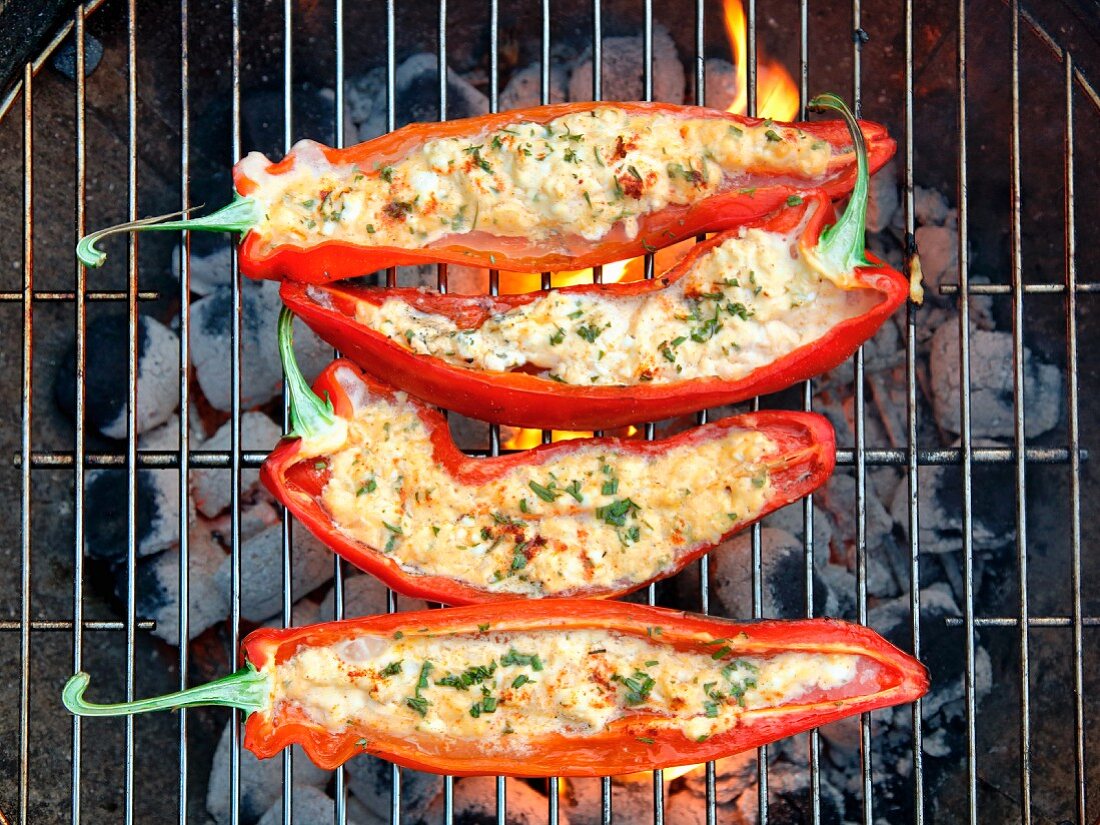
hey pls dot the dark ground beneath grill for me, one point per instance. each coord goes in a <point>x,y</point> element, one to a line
<point>156,767</point>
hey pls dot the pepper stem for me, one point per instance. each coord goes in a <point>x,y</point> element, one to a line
<point>239,216</point>
<point>843,245</point>
<point>309,415</point>
<point>246,689</point>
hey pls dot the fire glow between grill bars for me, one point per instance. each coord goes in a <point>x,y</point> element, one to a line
<point>761,85</point>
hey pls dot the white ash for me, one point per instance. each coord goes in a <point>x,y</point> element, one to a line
<point>261,373</point>
<point>261,781</point>
<point>524,88</point>
<point>364,595</point>
<point>416,88</point>
<point>883,202</point>
<point>623,70</point>
<point>211,488</point>
<point>157,585</point>
<point>930,207</point>
<point>683,808</point>
<point>783,576</point>
<point>991,383</point>
<point>157,495</point>
<point>262,570</point>
<point>938,247</point>
<point>731,775</point>
<point>107,375</point>
<point>370,780</point>
<point>631,801</point>
<point>307,805</point>
<point>721,83</point>
<point>838,497</point>
<point>789,797</point>
<point>475,800</point>
<point>939,492</point>
<point>207,271</point>
<point>792,519</point>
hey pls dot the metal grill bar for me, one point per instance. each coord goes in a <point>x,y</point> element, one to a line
<point>78,624</point>
<point>25,439</point>
<point>185,405</point>
<point>873,457</point>
<point>1018,424</point>
<point>965,440</point>
<point>1074,440</point>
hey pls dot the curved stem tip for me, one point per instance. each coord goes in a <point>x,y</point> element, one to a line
<point>310,415</point>
<point>843,245</point>
<point>239,216</point>
<point>246,689</point>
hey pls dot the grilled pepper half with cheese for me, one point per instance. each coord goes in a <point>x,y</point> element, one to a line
<point>561,688</point>
<point>376,476</point>
<point>547,188</point>
<point>748,312</point>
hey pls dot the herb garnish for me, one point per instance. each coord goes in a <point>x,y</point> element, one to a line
<point>638,686</point>
<point>514,657</point>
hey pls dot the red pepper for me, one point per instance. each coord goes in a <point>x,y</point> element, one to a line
<point>524,399</point>
<point>803,459</point>
<point>335,259</point>
<point>633,742</point>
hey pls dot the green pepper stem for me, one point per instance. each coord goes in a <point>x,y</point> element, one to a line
<point>239,216</point>
<point>309,415</point>
<point>843,245</point>
<point>246,689</point>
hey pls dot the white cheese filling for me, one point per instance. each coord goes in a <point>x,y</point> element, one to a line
<point>596,517</point>
<point>491,687</point>
<point>578,175</point>
<point>745,303</point>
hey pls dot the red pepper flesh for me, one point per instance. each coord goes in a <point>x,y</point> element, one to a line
<point>627,745</point>
<point>336,259</point>
<point>804,459</point>
<point>522,399</point>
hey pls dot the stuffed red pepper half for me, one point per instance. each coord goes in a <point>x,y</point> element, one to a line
<point>550,688</point>
<point>748,312</point>
<point>376,476</point>
<point>549,188</point>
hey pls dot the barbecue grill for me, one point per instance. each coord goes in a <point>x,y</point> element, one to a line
<point>55,620</point>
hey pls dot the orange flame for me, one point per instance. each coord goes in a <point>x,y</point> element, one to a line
<point>669,774</point>
<point>776,92</point>
<point>522,438</point>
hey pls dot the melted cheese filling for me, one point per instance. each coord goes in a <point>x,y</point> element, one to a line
<point>747,302</point>
<point>578,175</point>
<point>592,518</point>
<point>502,688</point>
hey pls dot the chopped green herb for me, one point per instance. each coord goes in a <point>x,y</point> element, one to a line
<point>522,680</point>
<point>418,704</point>
<point>587,199</point>
<point>733,130</point>
<point>386,174</point>
<point>483,627</point>
<point>772,135</point>
<point>557,337</point>
<point>794,200</point>
<point>519,558</point>
<point>590,332</point>
<point>361,743</point>
<point>523,506</point>
<point>398,635</point>
<point>309,204</point>
<point>570,156</point>
<point>319,465</point>
<point>574,489</point>
<point>651,663</point>
<point>759,481</point>
<point>634,172</point>
<point>638,686</point>
<point>654,631</point>
<point>435,529</point>
<point>392,669</point>
<point>646,739</point>
<point>576,314</point>
<point>471,676</point>
<point>514,657</point>
<point>370,228</point>
<point>611,487</point>
<point>617,512</point>
<point>392,528</point>
<point>721,652</point>
<point>545,493</point>
<point>496,142</point>
<point>369,487</point>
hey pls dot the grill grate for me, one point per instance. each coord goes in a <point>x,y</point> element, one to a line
<point>1021,457</point>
